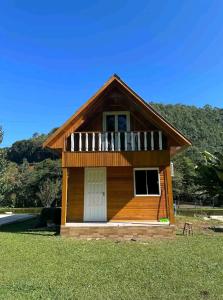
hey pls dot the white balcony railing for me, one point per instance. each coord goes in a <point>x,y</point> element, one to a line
<point>115,141</point>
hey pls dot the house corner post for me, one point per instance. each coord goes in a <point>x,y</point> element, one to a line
<point>64,196</point>
<point>170,195</point>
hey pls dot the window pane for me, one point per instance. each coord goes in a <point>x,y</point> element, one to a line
<point>153,182</point>
<point>122,123</point>
<point>164,142</point>
<point>110,123</point>
<point>140,182</point>
<point>156,140</point>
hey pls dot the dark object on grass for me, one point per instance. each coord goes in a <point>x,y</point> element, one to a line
<point>188,230</point>
<point>205,294</point>
<point>50,215</point>
<point>218,228</point>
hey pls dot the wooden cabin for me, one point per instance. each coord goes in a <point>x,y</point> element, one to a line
<point>116,151</point>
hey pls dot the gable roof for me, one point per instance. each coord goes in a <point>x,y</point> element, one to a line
<point>156,117</point>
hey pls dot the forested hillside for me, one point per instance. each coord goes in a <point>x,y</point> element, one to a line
<point>204,127</point>
<point>31,176</point>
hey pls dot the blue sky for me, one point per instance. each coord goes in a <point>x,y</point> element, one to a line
<point>55,54</point>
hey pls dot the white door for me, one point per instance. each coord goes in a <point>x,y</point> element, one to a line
<point>95,207</point>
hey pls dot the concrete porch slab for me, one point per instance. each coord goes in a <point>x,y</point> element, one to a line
<point>116,224</point>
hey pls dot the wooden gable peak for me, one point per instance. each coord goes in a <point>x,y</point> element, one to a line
<point>160,121</point>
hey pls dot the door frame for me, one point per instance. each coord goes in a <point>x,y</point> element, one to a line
<point>105,196</point>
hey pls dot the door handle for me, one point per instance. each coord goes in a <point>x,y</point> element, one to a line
<point>103,193</point>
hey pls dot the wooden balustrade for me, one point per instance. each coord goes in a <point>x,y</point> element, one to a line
<point>115,141</point>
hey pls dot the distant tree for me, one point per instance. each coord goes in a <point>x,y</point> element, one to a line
<point>25,170</point>
<point>20,184</point>
<point>184,186</point>
<point>36,135</point>
<point>31,150</point>
<point>10,181</point>
<point>210,177</point>
<point>26,193</point>
<point>49,191</point>
<point>34,176</point>
<point>43,172</point>
<point>203,126</point>
<point>1,134</point>
<point>52,130</point>
<point>46,169</point>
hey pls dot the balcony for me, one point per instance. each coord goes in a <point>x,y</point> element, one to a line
<point>116,141</point>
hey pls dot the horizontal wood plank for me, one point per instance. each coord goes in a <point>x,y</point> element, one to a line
<point>116,159</point>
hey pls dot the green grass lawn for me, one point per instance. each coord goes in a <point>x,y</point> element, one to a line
<point>41,265</point>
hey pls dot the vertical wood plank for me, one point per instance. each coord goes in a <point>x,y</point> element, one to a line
<point>72,142</point>
<point>152,140</point>
<point>86,141</point>
<point>112,141</point>
<point>119,142</point>
<point>65,144</point>
<point>99,141</point>
<point>125,141</point>
<point>93,141</point>
<point>106,141</point>
<point>169,193</point>
<point>80,141</point>
<point>64,196</point>
<point>145,140</point>
<point>160,141</point>
<point>132,141</point>
<point>139,146</point>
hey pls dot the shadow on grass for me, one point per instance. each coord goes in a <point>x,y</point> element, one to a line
<point>216,228</point>
<point>29,227</point>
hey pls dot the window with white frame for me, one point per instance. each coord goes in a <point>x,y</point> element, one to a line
<point>146,182</point>
<point>116,121</point>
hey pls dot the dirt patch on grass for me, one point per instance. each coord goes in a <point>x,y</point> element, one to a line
<point>200,225</point>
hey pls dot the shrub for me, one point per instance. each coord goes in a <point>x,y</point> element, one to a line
<point>50,214</point>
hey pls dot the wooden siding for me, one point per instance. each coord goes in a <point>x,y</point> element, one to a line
<point>75,203</point>
<point>94,122</point>
<point>121,203</point>
<point>169,192</point>
<point>64,196</point>
<point>116,159</point>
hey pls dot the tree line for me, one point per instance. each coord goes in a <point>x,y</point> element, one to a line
<point>31,176</point>
<point>204,127</point>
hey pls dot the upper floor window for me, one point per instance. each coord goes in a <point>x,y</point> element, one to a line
<point>116,121</point>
